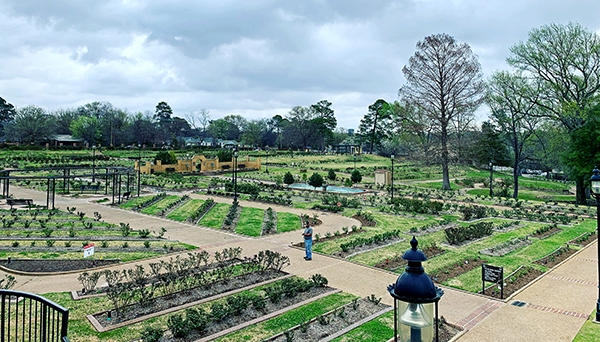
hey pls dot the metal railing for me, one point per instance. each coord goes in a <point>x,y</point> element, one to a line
<point>29,317</point>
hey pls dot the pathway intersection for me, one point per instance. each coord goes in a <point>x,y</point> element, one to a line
<point>556,305</point>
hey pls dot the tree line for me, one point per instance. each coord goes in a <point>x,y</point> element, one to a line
<point>542,113</point>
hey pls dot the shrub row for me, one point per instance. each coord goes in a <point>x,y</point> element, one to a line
<point>196,319</point>
<point>150,201</point>
<point>172,205</point>
<point>362,241</point>
<point>457,235</point>
<point>231,216</point>
<point>417,205</point>
<point>203,209</point>
<point>473,211</point>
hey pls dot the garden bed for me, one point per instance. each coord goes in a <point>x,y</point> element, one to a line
<point>333,322</point>
<point>340,235</point>
<point>514,282</point>
<point>556,257</point>
<point>54,265</point>
<point>111,319</point>
<point>369,247</point>
<point>506,247</point>
<point>397,262</point>
<point>546,231</point>
<point>456,269</point>
<point>364,221</point>
<point>584,239</point>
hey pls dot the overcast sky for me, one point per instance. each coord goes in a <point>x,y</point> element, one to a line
<point>255,58</point>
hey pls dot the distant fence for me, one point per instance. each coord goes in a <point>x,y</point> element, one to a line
<point>29,317</point>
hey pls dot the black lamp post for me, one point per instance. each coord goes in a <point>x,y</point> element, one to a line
<point>595,187</point>
<point>139,171</point>
<point>93,163</point>
<point>491,178</point>
<point>392,157</point>
<point>354,160</point>
<point>235,156</point>
<point>415,300</point>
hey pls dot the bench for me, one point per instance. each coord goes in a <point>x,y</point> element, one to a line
<point>566,192</point>
<point>19,201</point>
<point>126,194</point>
<point>94,188</point>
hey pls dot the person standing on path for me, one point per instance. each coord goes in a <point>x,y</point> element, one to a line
<point>308,231</point>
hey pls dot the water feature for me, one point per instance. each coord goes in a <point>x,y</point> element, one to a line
<point>330,188</point>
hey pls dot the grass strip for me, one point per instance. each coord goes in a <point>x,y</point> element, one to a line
<point>379,329</point>
<point>250,221</point>
<point>289,319</point>
<point>287,222</point>
<point>160,205</point>
<point>182,213</point>
<point>215,216</point>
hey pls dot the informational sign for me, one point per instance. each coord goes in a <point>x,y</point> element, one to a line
<point>88,250</point>
<point>493,274</point>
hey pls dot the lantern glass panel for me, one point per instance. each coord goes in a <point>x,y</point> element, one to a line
<point>596,186</point>
<point>415,322</point>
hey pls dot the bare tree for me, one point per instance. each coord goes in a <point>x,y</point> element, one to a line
<point>444,80</point>
<point>199,121</point>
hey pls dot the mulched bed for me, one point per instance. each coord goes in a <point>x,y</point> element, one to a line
<point>397,262</point>
<point>556,257</point>
<point>249,314</point>
<point>332,237</point>
<point>456,269</point>
<point>511,287</point>
<point>189,295</point>
<point>332,322</point>
<point>506,247</point>
<point>446,331</point>
<point>584,241</point>
<point>369,247</point>
<point>363,221</point>
<point>54,265</point>
<point>547,233</point>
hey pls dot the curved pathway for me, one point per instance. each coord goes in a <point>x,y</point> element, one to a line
<point>556,305</point>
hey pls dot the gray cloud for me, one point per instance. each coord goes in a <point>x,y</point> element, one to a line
<point>254,58</point>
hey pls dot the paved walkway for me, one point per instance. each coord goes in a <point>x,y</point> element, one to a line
<point>556,307</point>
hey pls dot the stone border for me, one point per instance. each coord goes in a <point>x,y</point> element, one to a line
<point>100,328</point>
<point>265,317</point>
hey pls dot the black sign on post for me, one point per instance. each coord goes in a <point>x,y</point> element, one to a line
<point>494,274</point>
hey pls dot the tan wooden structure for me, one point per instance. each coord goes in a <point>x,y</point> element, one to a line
<point>198,164</point>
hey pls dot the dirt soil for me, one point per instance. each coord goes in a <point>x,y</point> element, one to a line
<point>512,287</point>
<point>332,237</point>
<point>364,222</point>
<point>370,247</point>
<point>334,322</point>
<point>547,233</point>
<point>551,261</point>
<point>397,262</point>
<point>182,297</point>
<point>586,242</point>
<point>250,314</point>
<point>54,265</point>
<point>456,269</point>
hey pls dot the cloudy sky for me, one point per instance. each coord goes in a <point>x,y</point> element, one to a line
<point>255,58</point>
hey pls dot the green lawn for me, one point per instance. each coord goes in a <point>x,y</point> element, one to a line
<point>182,213</point>
<point>589,332</point>
<point>260,331</point>
<point>287,222</point>
<point>380,329</point>
<point>214,218</point>
<point>132,203</point>
<point>250,222</point>
<point>160,205</point>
